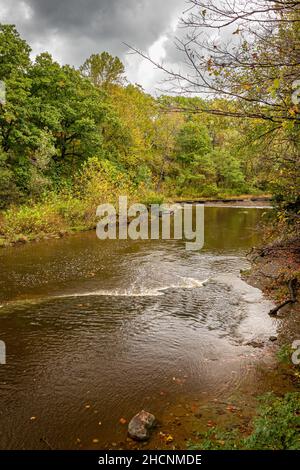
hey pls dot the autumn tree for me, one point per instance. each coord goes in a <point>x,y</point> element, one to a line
<point>166,129</point>
<point>137,111</point>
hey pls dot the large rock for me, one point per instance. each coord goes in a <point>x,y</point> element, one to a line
<point>140,426</point>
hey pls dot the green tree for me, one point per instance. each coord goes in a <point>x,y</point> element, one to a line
<point>193,141</point>
<point>228,170</point>
<point>14,52</point>
<point>103,69</point>
<point>70,107</point>
<point>137,111</point>
<point>166,129</point>
<point>19,135</point>
<point>193,153</point>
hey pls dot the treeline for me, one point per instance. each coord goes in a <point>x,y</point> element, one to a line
<point>56,119</point>
<point>71,139</point>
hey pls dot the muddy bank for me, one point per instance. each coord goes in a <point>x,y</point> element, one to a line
<point>273,268</point>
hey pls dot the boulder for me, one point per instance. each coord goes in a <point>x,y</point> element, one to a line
<point>140,426</point>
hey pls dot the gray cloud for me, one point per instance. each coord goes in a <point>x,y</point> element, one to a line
<point>73,29</point>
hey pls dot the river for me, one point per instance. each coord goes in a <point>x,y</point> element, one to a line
<point>97,330</point>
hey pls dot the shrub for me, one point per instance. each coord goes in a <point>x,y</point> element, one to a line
<point>278,425</point>
<point>210,190</point>
<point>29,220</point>
<point>100,181</point>
<point>152,198</point>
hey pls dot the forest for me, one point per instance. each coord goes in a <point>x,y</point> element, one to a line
<point>73,138</point>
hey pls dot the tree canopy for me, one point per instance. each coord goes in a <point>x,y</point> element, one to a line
<point>239,134</point>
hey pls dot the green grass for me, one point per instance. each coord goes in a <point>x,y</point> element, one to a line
<point>276,427</point>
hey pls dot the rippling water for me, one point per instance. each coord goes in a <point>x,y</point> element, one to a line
<point>99,330</point>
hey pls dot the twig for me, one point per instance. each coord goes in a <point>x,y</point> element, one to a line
<point>43,439</point>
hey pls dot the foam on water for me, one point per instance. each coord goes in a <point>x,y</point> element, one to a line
<point>185,283</point>
<point>256,324</point>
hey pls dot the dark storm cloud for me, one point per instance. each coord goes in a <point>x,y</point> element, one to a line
<point>73,29</point>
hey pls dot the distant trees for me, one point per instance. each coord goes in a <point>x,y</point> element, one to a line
<point>164,164</point>
<point>228,170</point>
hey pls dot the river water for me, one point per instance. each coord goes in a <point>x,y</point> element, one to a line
<point>97,330</point>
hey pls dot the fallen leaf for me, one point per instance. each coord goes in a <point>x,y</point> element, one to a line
<point>231,408</point>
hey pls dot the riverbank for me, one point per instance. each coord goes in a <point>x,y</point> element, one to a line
<point>60,217</point>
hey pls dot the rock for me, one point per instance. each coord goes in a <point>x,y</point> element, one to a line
<point>140,425</point>
<point>22,239</point>
<point>273,338</point>
<point>255,344</point>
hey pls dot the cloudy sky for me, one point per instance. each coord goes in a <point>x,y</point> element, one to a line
<point>71,30</point>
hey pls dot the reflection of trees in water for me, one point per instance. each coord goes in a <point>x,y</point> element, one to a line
<point>232,228</point>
